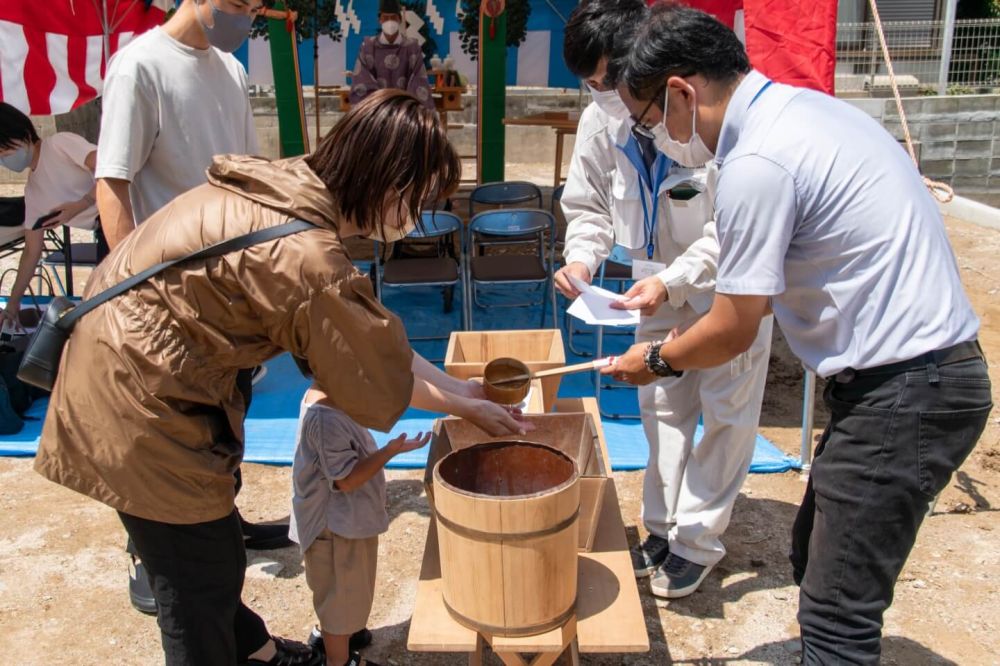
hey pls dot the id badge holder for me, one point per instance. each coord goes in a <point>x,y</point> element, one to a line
<point>643,269</point>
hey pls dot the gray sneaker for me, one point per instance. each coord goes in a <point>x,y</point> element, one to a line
<point>678,578</point>
<point>649,555</point>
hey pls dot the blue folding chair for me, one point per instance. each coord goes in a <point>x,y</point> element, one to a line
<point>508,193</point>
<point>443,270</point>
<point>532,227</point>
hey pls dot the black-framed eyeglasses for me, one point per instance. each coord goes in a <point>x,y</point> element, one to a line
<point>638,126</point>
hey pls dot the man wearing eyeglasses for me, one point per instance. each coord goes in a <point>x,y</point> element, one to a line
<point>824,219</point>
<point>173,98</point>
<point>621,191</point>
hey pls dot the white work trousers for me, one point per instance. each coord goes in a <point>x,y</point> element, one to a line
<point>689,491</point>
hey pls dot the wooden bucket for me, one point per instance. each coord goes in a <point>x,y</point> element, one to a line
<point>507,515</point>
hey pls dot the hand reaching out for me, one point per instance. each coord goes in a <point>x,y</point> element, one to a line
<point>401,444</point>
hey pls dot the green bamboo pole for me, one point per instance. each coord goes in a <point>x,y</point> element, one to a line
<point>492,97</point>
<point>287,86</point>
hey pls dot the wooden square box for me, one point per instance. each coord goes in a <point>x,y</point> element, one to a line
<point>572,433</point>
<point>470,351</point>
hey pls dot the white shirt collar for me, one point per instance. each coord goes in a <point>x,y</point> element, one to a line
<point>736,111</point>
<point>385,42</point>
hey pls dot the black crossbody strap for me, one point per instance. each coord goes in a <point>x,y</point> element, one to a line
<point>223,247</point>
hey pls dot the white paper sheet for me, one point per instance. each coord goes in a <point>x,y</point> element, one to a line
<point>593,306</point>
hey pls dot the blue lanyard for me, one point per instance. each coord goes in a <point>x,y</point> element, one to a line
<point>649,222</point>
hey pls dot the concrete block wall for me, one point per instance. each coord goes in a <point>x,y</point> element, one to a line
<point>959,138</point>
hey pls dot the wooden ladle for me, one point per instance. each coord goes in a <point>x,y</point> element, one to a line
<point>507,381</point>
<point>565,370</point>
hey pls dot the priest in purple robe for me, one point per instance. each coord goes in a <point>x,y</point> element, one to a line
<point>390,60</point>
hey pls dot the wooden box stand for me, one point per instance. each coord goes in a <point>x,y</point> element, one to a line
<point>572,433</point>
<point>470,351</point>
<point>608,615</point>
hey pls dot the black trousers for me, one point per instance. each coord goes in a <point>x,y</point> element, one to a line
<point>893,442</point>
<point>196,572</point>
<point>103,249</point>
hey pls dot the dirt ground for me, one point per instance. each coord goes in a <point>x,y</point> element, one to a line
<point>63,574</point>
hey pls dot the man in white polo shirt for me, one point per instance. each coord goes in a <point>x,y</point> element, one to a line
<point>822,217</point>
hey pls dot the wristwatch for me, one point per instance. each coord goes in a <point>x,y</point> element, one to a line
<point>656,364</point>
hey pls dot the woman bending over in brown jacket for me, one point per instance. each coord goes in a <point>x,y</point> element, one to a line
<point>146,416</point>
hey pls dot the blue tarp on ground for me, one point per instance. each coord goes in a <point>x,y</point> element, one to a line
<point>271,423</point>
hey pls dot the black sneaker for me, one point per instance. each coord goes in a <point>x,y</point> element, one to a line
<point>649,555</point>
<point>359,640</point>
<point>357,660</point>
<point>139,591</point>
<point>678,578</point>
<point>290,653</point>
<point>258,536</point>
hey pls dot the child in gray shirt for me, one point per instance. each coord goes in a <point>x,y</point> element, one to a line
<point>338,511</point>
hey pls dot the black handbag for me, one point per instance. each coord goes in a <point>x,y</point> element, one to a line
<point>40,364</point>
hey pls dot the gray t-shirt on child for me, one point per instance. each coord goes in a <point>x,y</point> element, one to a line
<point>329,445</point>
<point>168,109</point>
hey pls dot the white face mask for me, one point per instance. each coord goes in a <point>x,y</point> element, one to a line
<point>610,103</point>
<point>390,28</point>
<point>19,160</point>
<point>692,154</point>
<point>389,230</point>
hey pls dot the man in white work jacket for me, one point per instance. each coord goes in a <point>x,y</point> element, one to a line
<point>824,219</point>
<point>688,490</point>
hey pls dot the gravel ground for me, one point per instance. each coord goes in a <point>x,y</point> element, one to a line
<point>63,571</point>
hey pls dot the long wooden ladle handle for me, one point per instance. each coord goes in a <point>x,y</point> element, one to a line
<point>564,370</point>
<point>579,367</point>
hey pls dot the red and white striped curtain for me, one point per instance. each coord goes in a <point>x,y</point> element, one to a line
<point>53,53</point>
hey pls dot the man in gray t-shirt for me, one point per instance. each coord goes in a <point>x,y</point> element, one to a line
<point>171,102</point>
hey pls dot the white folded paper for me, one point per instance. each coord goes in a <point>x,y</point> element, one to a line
<point>593,306</point>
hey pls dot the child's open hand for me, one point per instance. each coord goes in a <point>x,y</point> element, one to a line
<point>401,444</point>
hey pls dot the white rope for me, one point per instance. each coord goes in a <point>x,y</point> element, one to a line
<point>941,191</point>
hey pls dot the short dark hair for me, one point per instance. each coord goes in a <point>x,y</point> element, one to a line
<point>680,41</point>
<point>592,29</point>
<point>15,127</point>
<point>387,144</point>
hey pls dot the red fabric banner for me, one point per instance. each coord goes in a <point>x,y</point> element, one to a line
<point>790,41</point>
<point>724,10</point>
<point>793,41</point>
<point>55,52</point>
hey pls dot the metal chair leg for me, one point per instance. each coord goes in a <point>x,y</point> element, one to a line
<point>599,384</point>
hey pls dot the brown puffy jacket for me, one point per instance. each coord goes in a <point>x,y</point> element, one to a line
<point>145,415</point>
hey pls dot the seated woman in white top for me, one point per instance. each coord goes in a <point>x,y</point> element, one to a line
<point>60,184</point>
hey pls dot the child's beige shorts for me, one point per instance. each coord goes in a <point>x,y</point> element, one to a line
<point>341,574</point>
